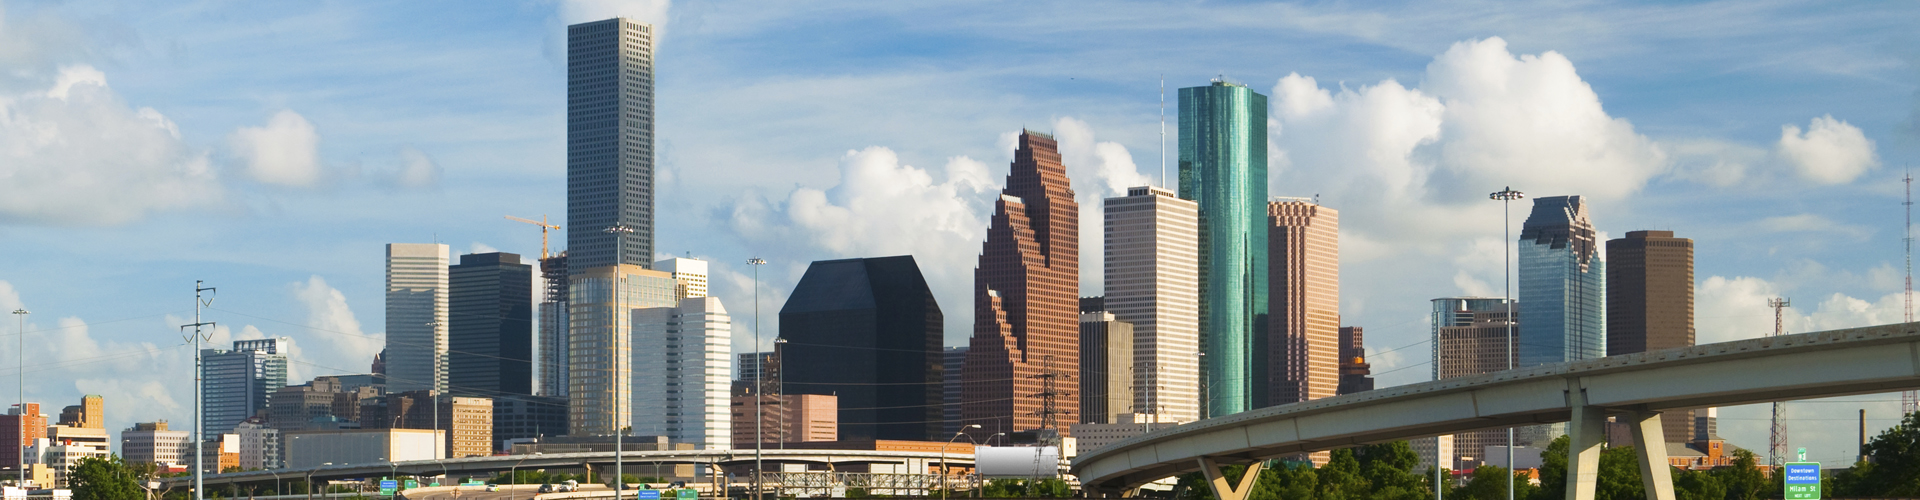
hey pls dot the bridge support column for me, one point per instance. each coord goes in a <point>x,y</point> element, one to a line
<point>1586,432</point>
<point>1650,440</point>
<point>1224,491</point>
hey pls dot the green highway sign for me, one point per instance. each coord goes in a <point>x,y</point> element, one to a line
<point>1803,480</point>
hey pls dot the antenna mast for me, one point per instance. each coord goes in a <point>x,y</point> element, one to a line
<point>1777,445</point>
<point>1909,400</point>
<point>1163,151</point>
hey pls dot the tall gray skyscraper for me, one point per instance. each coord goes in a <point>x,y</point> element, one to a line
<point>416,317</point>
<point>609,143</point>
<point>242,381</point>
<point>553,326</point>
<point>1563,284</point>
<point>490,341</point>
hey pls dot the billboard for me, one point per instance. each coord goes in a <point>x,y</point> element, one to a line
<point>1017,461</point>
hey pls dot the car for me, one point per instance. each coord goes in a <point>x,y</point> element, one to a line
<point>493,487</point>
<point>546,488</point>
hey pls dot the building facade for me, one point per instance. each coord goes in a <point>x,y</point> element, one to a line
<point>1303,319</point>
<point>553,326</point>
<point>309,449</point>
<point>1152,274</point>
<point>953,361</point>
<point>598,367</point>
<point>681,390</point>
<point>1106,365</point>
<point>867,330</point>
<point>1650,303</point>
<point>609,143</point>
<point>490,337</point>
<point>89,413</point>
<point>1026,301</point>
<point>417,312</point>
<point>241,382</point>
<point>1563,284</point>
<point>259,445</point>
<point>153,443</point>
<point>20,427</point>
<point>1355,372</point>
<point>1223,169</point>
<point>792,418</point>
<point>522,417</point>
<point>690,275</point>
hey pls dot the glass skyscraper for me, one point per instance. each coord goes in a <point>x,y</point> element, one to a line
<point>1223,168</point>
<point>1563,284</point>
<point>609,143</point>
<point>241,382</point>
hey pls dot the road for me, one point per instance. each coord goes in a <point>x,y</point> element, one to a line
<point>507,492</point>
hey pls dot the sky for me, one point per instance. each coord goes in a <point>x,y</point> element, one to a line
<point>271,150</point>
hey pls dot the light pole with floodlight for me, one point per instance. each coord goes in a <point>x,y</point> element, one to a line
<point>943,457</point>
<point>619,232</point>
<point>1506,197</point>
<point>20,315</point>
<point>759,374</point>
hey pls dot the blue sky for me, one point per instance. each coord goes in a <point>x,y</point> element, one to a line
<point>271,149</point>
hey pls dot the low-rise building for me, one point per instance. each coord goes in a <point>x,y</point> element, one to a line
<point>64,447</point>
<point>153,443</point>
<point>259,445</point>
<point>790,418</point>
<point>308,449</point>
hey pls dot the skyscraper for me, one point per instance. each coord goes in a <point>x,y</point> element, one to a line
<point>1223,168</point>
<point>1650,303</point>
<point>1355,372</point>
<point>1106,365</point>
<point>1470,337</point>
<point>609,142</point>
<point>491,334</point>
<point>553,326</point>
<point>681,391</point>
<point>953,362</point>
<point>1152,277</point>
<point>1303,322</point>
<point>1026,344</point>
<point>598,367</point>
<point>1563,284</point>
<point>241,382</point>
<point>90,413</point>
<point>868,330</point>
<point>416,317</point>
<point>690,274</point>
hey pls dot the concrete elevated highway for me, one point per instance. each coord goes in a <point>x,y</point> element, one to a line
<point>636,463</point>
<point>1634,388</point>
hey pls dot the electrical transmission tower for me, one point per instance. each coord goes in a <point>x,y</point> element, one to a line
<point>1909,400</point>
<point>1777,445</point>
<point>1048,393</point>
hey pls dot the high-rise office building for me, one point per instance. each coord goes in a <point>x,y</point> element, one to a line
<point>1025,344</point>
<point>90,413</point>
<point>1303,318</point>
<point>22,427</point>
<point>681,391</point>
<point>610,143</point>
<point>1355,372</point>
<point>1650,303</point>
<point>1563,284</point>
<point>416,317</point>
<point>599,368</point>
<point>953,361</point>
<point>1471,337</point>
<point>490,340</point>
<point>869,331</point>
<point>756,368</point>
<point>1152,273</point>
<point>689,274</point>
<point>1106,365</point>
<point>1223,168</point>
<point>241,382</point>
<point>553,326</point>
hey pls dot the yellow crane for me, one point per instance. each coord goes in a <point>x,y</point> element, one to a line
<point>544,226</point>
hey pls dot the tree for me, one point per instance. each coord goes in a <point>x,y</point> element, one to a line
<point>1553,471</point>
<point>1389,468</point>
<point>1619,477</point>
<point>104,478</point>
<point>1743,481</point>
<point>1893,468</point>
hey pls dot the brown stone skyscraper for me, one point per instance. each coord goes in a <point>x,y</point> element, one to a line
<point>1303,322</point>
<point>1026,330</point>
<point>1650,303</point>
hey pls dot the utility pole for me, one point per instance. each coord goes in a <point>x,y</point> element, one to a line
<point>202,332</point>
<point>1777,445</point>
<point>20,316</point>
<point>1909,400</point>
<point>1047,395</point>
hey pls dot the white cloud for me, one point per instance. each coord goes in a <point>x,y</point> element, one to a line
<point>417,170</point>
<point>1098,170</point>
<point>285,151</point>
<point>478,247</point>
<point>646,11</point>
<point>1717,162</point>
<point>1829,152</point>
<point>75,153</point>
<point>1729,309</point>
<point>329,317</point>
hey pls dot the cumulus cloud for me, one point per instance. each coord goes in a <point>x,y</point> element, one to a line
<point>646,11</point>
<point>285,151</point>
<point>1829,151</point>
<point>75,153</point>
<point>1735,308</point>
<point>329,316</point>
<point>1099,170</point>
<point>417,170</point>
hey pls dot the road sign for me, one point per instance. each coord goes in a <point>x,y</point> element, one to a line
<point>688,493</point>
<point>411,484</point>
<point>387,486</point>
<point>1803,481</point>
<point>648,494</point>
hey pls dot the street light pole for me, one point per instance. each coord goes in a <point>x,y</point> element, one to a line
<point>759,388</point>
<point>780,353</point>
<point>1506,198</point>
<point>20,316</point>
<point>619,232</point>
<point>943,458</point>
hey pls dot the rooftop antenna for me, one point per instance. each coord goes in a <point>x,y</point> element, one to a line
<point>1909,400</point>
<point>1163,136</point>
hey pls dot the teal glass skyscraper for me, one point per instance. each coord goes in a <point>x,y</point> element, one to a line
<point>1223,168</point>
<point>1562,284</point>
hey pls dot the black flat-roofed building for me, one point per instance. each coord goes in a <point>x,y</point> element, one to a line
<point>869,331</point>
<point>490,326</point>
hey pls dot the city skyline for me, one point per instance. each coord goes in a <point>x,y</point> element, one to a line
<point>318,280</point>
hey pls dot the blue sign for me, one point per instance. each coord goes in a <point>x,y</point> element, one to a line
<point>649,495</point>
<point>1803,481</point>
<point>388,484</point>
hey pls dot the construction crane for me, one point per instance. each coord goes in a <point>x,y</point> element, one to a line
<point>544,226</point>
